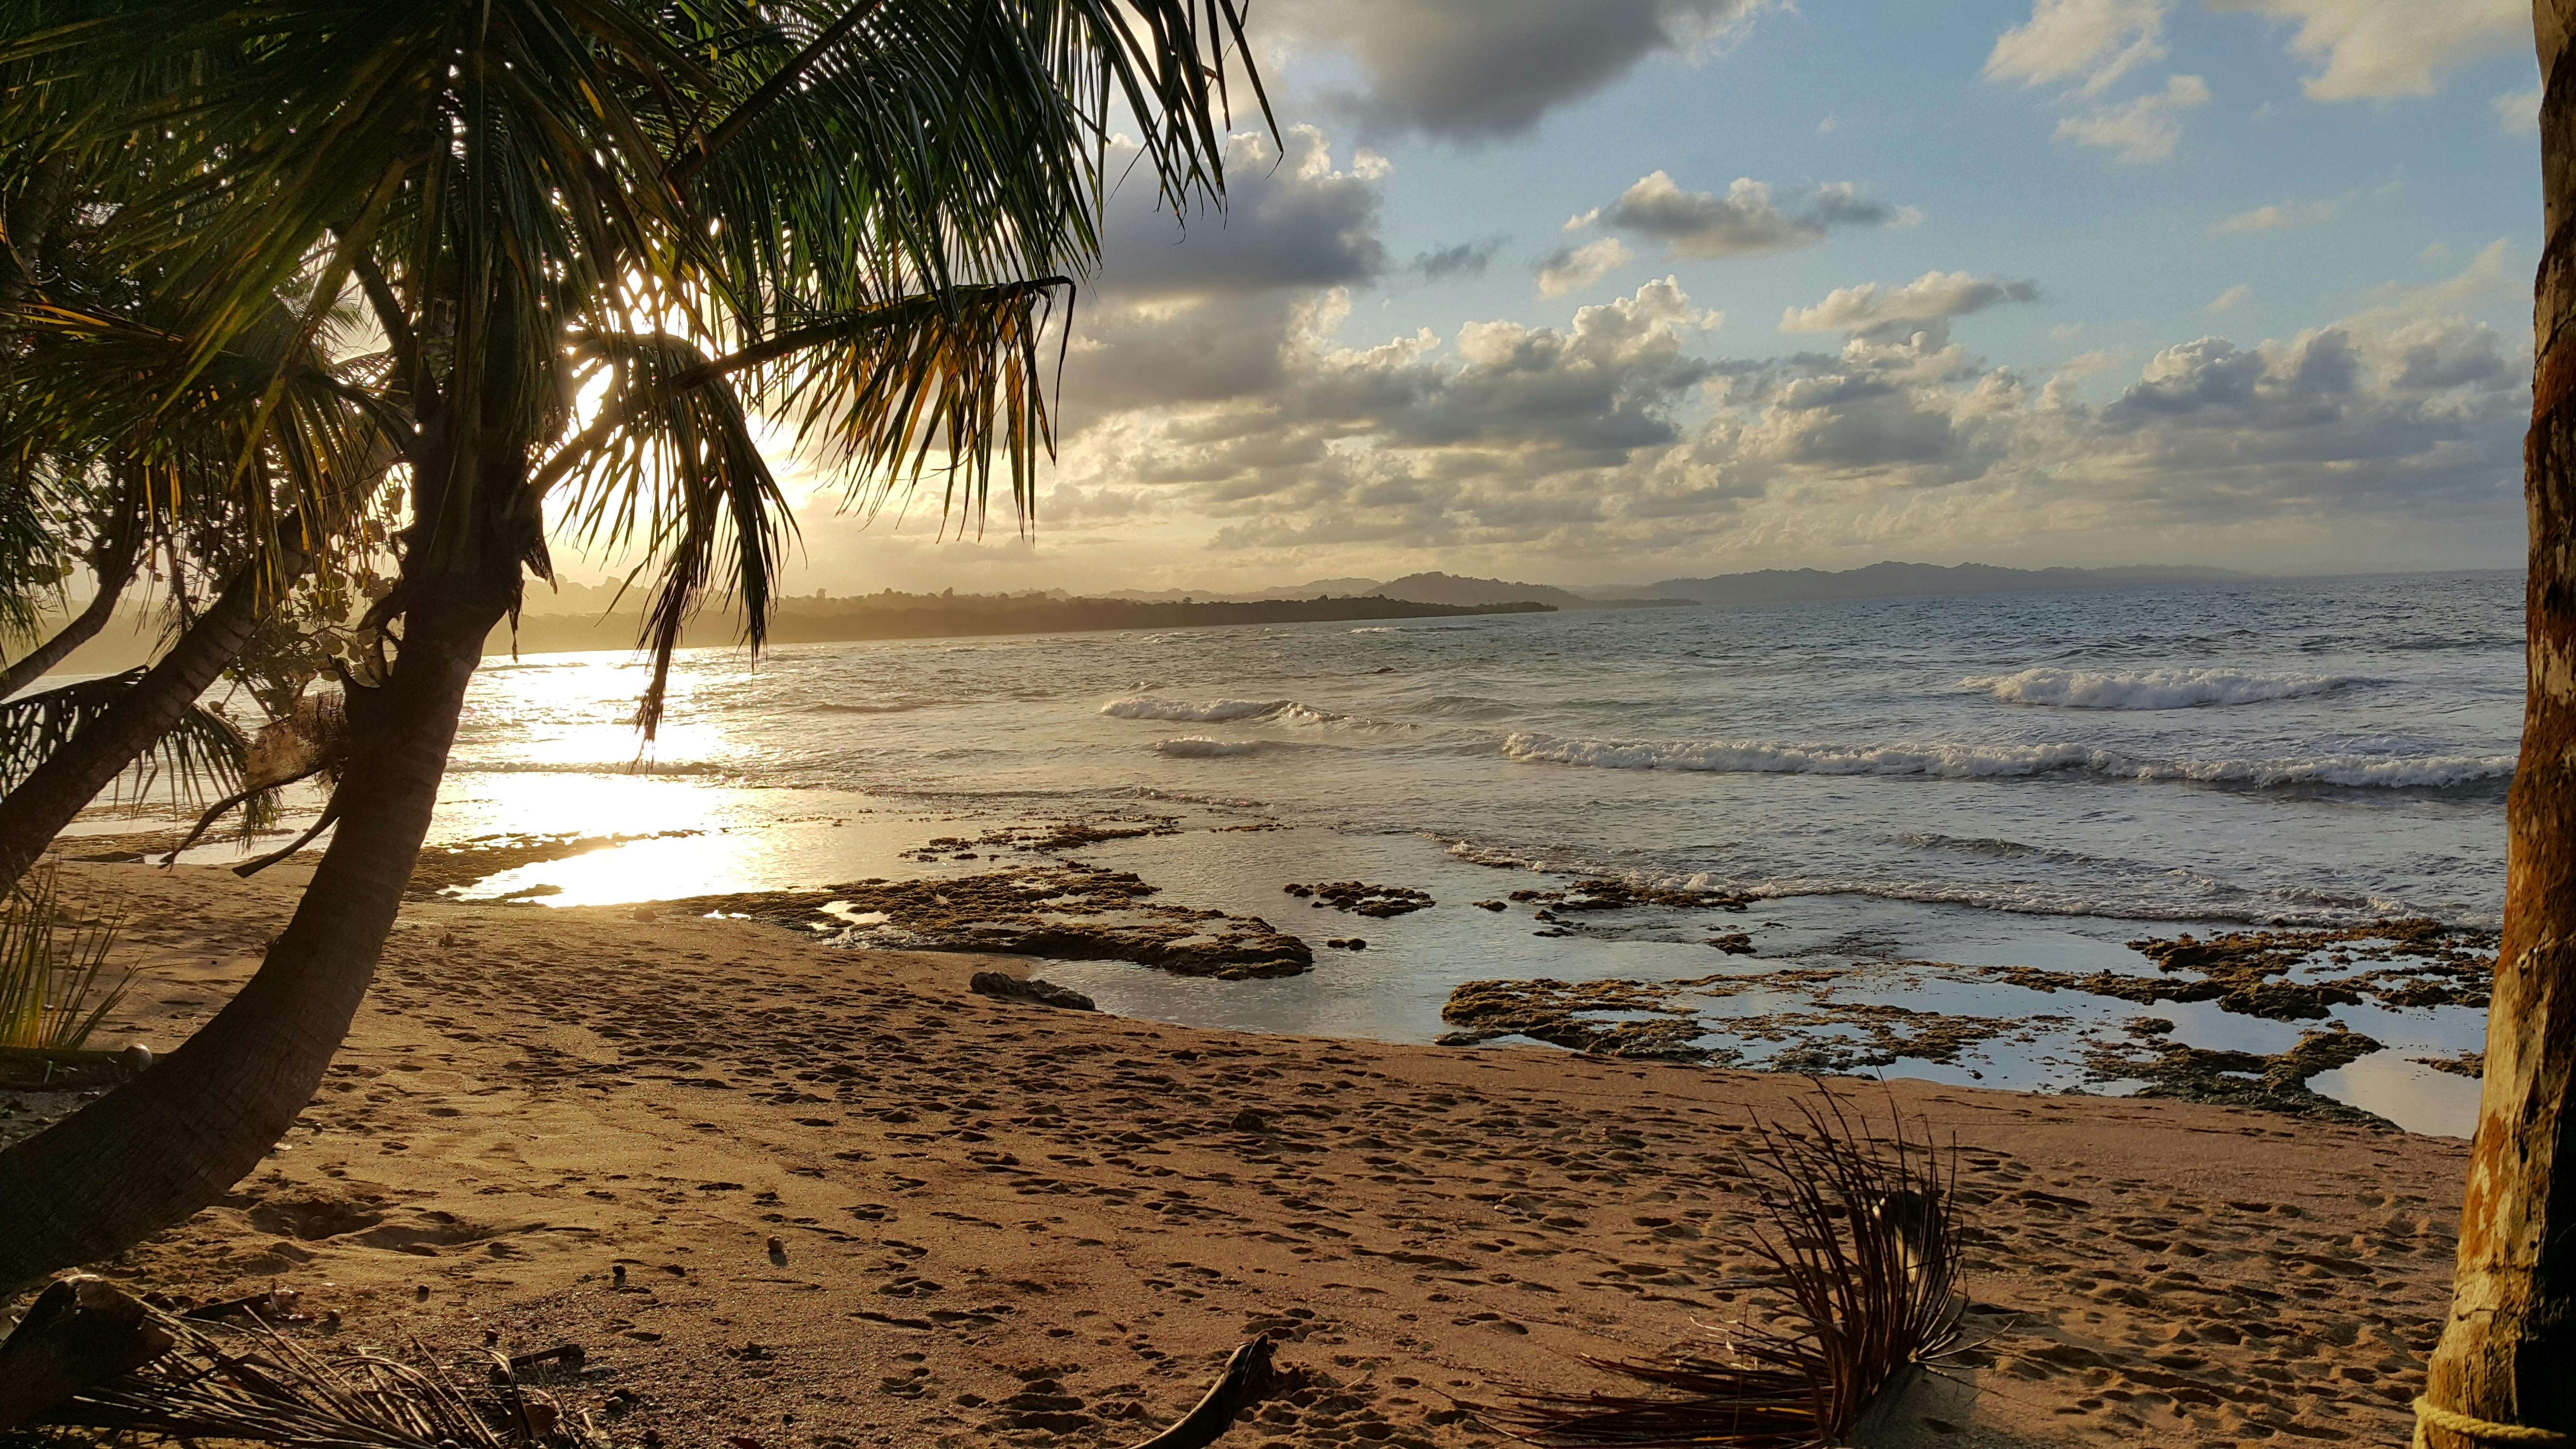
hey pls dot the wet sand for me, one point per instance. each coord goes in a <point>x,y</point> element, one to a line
<point>1003,1222</point>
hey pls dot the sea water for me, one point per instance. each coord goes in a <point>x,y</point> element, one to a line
<point>2025,779</point>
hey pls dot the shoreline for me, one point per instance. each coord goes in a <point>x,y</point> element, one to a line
<point>973,1197</point>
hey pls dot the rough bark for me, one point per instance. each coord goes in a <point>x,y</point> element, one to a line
<point>2506,1351</point>
<point>164,1145</point>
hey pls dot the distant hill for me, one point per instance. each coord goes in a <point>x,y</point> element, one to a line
<point>953,616</point>
<point>1909,580</point>
<point>1454,589</point>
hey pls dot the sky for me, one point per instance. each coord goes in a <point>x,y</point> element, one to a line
<point>1642,289</point>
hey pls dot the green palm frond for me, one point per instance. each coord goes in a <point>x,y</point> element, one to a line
<point>202,753</point>
<point>50,996</point>
<point>851,218</point>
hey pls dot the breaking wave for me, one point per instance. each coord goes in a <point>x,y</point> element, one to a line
<point>1145,706</point>
<point>1971,762</point>
<point>2149,689</point>
<point>1200,747</point>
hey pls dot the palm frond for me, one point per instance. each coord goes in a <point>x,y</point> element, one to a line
<point>199,754</point>
<point>1865,1254</point>
<point>50,997</point>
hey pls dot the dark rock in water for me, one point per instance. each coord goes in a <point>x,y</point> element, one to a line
<point>1562,1014</point>
<point>2466,1064</point>
<point>1491,906</point>
<point>2276,1083</point>
<point>1361,898</point>
<point>2295,975</point>
<point>1044,993</point>
<point>1064,912</point>
<point>1733,943</point>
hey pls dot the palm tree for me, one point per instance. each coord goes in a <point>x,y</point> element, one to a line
<point>248,466</point>
<point>854,215</point>
<point>2505,1355</point>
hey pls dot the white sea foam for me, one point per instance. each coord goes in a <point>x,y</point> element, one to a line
<point>1146,706</point>
<point>1970,762</point>
<point>1200,747</point>
<point>2150,688</point>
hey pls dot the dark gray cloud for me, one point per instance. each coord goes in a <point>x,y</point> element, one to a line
<point>1290,220</point>
<point>1477,70</point>
<point>1749,218</point>
<point>1872,310</point>
<point>1465,259</point>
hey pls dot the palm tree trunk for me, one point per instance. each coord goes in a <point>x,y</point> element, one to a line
<point>116,562</point>
<point>174,1139</point>
<point>60,788</point>
<point>2504,1356</point>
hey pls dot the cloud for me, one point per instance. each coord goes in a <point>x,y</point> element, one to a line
<point>2377,49</point>
<point>1611,438</point>
<point>1571,269</point>
<point>1746,220</point>
<point>2141,130</point>
<point>1872,310</point>
<point>2518,112</point>
<point>2282,216</point>
<point>1464,259</point>
<point>1291,220</point>
<point>2231,299</point>
<point>2089,42</point>
<point>1479,70</point>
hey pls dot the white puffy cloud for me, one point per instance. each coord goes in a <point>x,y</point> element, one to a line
<point>2375,49</point>
<point>2088,42</point>
<point>1612,445</point>
<point>1476,70</point>
<point>1571,269</point>
<point>1749,218</point>
<point>2143,129</point>
<point>1870,309</point>
<point>2280,216</point>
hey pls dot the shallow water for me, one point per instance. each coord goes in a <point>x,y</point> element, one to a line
<point>2026,780</point>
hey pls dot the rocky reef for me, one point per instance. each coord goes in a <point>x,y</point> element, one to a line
<point>1064,911</point>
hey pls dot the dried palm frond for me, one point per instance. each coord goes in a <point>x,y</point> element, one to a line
<point>258,1385</point>
<point>1864,1253</point>
<point>255,1385</point>
<point>51,995</point>
<point>311,741</point>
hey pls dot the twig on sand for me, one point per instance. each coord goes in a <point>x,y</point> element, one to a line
<point>1248,1379</point>
<point>1865,1254</point>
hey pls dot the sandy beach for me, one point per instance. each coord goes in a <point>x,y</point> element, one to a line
<point>1001,1222</point>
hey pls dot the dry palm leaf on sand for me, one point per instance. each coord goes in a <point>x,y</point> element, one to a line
<point>90,1361</point>
<point>1863,1248</point>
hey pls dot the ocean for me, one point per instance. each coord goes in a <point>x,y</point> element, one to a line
<point>1912,796</point>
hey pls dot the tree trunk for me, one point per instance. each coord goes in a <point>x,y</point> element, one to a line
<point>114,569</point>
<point>60,788</point>
<point>2506,1353</point>
<point>162,1146</point>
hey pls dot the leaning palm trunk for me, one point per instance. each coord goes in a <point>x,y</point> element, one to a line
<point>60,788</point>
<point>113,568</point>
<point>2504,1356</point>
<point>164,1145</point>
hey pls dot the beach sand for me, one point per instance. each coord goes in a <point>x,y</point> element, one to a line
<point>1002,1223</point>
